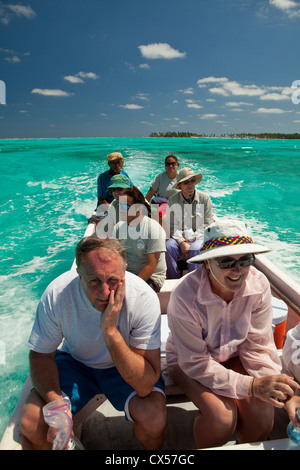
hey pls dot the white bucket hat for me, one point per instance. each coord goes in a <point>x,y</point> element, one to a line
<point>186,174</point>
<point>225,238</point>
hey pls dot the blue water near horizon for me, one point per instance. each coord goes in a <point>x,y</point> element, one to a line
<point>49,192</point>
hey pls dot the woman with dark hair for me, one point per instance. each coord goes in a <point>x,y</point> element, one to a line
<point>162,186</point>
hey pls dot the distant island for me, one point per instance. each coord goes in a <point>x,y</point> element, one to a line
<point>263,135</point>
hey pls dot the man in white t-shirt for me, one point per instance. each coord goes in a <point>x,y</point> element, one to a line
<point>143,238</point>
<point>109,321</point>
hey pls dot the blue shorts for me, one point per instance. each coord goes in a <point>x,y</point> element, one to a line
<point>81,383</point>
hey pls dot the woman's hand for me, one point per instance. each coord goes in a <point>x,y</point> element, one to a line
<point>274,389</point>
<point>291,407</point>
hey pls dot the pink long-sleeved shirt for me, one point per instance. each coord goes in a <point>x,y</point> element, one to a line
<point>206,331</point>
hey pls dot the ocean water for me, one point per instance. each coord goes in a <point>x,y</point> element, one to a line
<point>48,191</point>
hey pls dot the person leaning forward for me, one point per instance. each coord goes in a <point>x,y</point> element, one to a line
<point>221,349</point>
<point>109,321</point>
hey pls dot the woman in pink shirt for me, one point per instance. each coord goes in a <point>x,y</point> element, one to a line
<point>221,349</point>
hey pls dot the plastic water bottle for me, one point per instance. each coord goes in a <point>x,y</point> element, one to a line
<point>294,433</point>
<point>55,415</point>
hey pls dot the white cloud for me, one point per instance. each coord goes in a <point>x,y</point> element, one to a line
<point>269,111</point>
<point>49,92</point>
<point>287,6</point>
<point>73,79</point>
<point>219,91</point>
<point>237,103</point>
<point>160,51</point>
<point>274,96</point>
<point>142,96</point>
<point>193,104</point>
<point>78,77</point>
<point>211,80</point>
<point>208,116</point>
<point>22,10</point>
<point>8,12</point>
<point>144,66</point>
<point>90,75</point>
<point>131,106</point>
<point>233,88</point>
<point>13,60</point>
<point>188,91</point>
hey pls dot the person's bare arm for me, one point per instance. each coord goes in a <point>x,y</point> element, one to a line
<point>139,368</point>
<point>44,375</point>
<point>150,194</point>
<point>148,270</point>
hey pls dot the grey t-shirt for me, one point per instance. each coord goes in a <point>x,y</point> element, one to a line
<point>147,237</point>
<point>163,185</point>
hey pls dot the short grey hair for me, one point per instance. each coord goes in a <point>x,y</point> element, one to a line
<point>91,243</point>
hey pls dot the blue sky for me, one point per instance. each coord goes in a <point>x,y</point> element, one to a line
<point>126,68</point>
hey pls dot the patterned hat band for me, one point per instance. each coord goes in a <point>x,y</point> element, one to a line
<point>216,242</point>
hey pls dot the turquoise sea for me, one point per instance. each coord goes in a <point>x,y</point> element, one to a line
<point>49,191</point>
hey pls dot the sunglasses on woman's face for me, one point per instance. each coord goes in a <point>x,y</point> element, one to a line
<point>170,163</point>
<point>229,263</point>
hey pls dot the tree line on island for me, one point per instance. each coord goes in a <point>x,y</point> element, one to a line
<point>263,135</point>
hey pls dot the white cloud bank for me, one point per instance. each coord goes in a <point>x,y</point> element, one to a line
<point>290,7</point>
<point>131,106</point>
<point>78,77</point>
<point>49,92</point>
<point>8,12</point>
<point>226,87</point>
<point>160,50</point>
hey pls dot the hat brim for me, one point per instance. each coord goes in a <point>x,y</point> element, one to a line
<point>111,189</point>
<point>198,179</point>
<point>243,249</point>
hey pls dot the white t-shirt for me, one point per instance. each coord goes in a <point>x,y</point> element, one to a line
<point>65,313</point>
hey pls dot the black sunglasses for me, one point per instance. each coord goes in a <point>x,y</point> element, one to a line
<point>230,263</point>
<point>170,163</point>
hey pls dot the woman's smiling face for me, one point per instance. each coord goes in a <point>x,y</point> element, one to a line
<point>225,282</point>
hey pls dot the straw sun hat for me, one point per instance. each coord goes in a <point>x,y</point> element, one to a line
<point>225,238</point>
<point>114,156</point>
<point>185,174</point>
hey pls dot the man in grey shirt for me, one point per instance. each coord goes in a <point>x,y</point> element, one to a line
<point>109,322</point>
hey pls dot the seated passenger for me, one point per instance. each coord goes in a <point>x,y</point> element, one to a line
<point>162,186</point>
<point>108,322</point>
<point>188,212</point>
<point>221,349</point>
<point>116,162</point>
<point>143,238</point>
<point>118,185</point>
<point>291,366</point>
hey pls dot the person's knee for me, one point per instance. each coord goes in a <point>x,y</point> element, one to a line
<point>220,419</point>
<point>32,423</point>
<point>150,412</point>
<point>262,414</point>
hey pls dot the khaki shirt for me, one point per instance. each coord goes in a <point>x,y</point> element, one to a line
<point>187,221</point>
